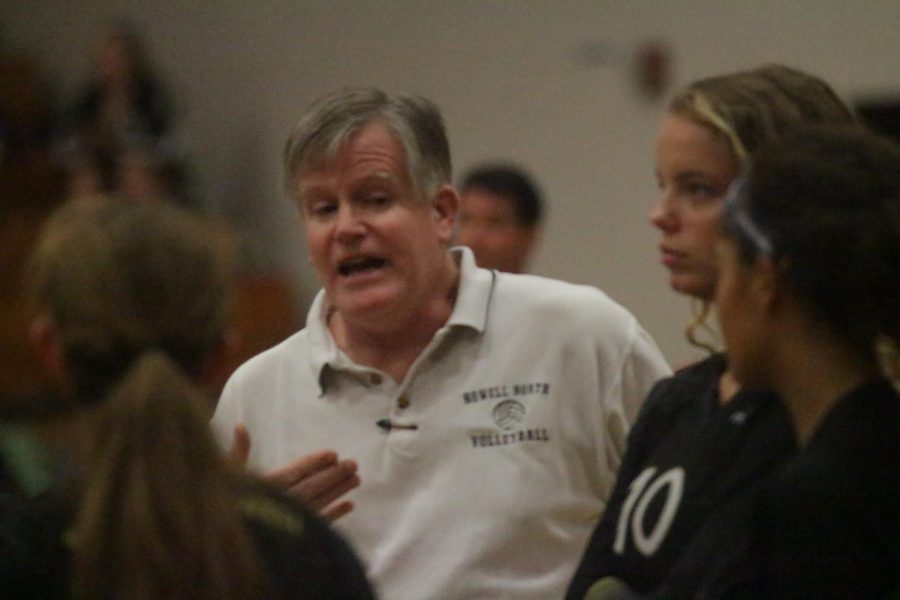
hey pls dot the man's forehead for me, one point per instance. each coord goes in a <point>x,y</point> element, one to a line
<point>483,200</point>
<point>371,153</point>
<point>326,177</point>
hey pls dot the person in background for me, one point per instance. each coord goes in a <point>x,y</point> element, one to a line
<point>500,216</point>
<point>133,325</point>
<point>677,522</point>
<point>117,137</point>
<point>808,292</point>
<point>124,104</point>
<point>143,175</point>
<point>486,412</point>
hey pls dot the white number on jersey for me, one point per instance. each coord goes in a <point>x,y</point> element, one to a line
<point>640,494</point>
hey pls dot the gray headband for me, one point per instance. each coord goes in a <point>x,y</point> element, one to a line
<point>738,221</point>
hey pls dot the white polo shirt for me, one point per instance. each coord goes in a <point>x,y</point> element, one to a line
<point>522,403</point>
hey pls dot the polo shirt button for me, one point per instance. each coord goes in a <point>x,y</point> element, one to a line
<point>403,402</point>
<point>375,379</point>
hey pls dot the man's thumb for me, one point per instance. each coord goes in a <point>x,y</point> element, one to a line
<point>240,446</point>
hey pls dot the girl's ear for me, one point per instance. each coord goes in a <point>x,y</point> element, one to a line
<point>766,286</point>
<point>44,340</point>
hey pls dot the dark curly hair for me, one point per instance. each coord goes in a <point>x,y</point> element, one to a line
<point>826,203</point>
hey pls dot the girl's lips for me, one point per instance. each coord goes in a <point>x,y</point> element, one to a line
<point>670,257</point>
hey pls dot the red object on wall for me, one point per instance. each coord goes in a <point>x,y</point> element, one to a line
<point>653,69</point>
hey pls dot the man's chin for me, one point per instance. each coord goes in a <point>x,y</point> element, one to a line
<point>371,306</point>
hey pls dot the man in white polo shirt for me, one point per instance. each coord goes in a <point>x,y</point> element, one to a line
<point>485,414</point>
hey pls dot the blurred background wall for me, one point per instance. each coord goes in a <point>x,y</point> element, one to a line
<point>550,85</point>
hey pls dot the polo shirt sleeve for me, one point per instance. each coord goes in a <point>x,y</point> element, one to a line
<point>642,367</point>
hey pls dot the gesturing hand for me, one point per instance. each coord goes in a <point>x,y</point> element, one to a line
<point>318,480</point>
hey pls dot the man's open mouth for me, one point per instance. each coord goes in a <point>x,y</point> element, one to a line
<point>360,265</point>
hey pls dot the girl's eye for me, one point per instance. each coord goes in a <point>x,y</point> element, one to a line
<point>660,183</point>
<point>699,189</point>
<point>700,193</point>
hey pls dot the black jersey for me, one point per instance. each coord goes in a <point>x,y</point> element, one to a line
<point>829,523</point>
<point>678,520</point>
<point>303,556</point>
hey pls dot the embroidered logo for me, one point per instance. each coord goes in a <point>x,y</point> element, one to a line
<point>509,414</point>
<point>511,404</point>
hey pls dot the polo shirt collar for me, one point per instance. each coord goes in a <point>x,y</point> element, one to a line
<point>469,311</point>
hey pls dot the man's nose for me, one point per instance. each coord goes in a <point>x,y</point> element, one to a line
<point>348,221</point>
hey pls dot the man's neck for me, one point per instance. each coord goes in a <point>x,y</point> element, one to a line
<point>392,345</point>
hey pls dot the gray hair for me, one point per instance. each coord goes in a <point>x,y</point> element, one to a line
<point>334,119</point>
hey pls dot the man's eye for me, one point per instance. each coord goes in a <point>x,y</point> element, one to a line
<point>378,200</point>
<point>322,209</point>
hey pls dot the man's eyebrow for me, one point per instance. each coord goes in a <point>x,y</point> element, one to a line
<point>305,190</point>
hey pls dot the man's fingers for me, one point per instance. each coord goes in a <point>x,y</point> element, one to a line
<point>319,480</point>
<point>336,511</point>
<point>240,445</point>
<point>302,468</point>
<point>320,490</point>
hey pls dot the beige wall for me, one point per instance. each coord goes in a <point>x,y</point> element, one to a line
<point>510,78</point>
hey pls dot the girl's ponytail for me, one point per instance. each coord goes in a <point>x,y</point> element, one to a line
<point>158,516</point>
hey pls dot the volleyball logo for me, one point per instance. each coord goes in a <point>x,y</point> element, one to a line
<point>508,414</point>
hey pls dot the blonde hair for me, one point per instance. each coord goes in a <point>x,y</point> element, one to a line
<point>699,333</point>
<point>158,516</point>
<point>139,295</point>
<point>118,278</point>
<point>750,108</point>
<point>758,106</point>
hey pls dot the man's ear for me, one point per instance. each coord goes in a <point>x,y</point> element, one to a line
<point>532,238</point>
<point>444,206</point>
<point>44,340</point>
